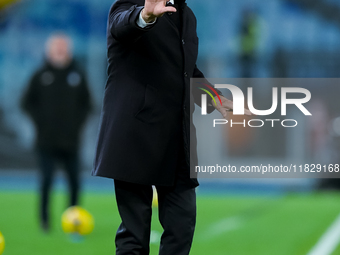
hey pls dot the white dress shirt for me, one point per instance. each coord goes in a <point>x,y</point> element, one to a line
<point>141,22</point>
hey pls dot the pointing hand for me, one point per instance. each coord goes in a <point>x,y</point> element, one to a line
<point>154,9</point>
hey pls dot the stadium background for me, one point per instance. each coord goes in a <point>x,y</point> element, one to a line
<point>296,38</point>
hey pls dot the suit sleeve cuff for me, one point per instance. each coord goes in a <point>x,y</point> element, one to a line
<point>141,22</point>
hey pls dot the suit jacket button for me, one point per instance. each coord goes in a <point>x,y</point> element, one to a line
<point>183,42</point>
<point>186,74</point>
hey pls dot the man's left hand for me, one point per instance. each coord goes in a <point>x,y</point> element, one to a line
<point>227,106</point>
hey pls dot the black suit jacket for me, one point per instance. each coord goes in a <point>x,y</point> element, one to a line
<point>58,100</point>
<point>146,111</point>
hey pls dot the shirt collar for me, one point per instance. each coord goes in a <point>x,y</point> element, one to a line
<point>172,1</point>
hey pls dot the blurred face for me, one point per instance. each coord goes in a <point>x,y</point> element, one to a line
<point>58,51</point>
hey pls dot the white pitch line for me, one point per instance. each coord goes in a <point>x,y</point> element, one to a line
<point>223,226</point>
<point>329,241</point>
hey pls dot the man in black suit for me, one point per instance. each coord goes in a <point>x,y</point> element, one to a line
<point>144,133</point>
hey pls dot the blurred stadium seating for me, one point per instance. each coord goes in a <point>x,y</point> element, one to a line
<point>296,38</point>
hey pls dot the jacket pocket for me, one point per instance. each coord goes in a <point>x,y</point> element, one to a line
<point>145,114</point>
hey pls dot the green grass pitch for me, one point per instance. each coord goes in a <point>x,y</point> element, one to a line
<point>236,225</point>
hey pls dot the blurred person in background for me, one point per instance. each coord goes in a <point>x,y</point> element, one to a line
<point>249,34</point>
<point>58,101</point>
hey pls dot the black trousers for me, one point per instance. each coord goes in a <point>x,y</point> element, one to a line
<point>48,158</point>
<point>177,215</point>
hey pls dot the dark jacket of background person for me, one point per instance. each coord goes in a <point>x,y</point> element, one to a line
<point>58,101</point>
<point>146,111</point>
